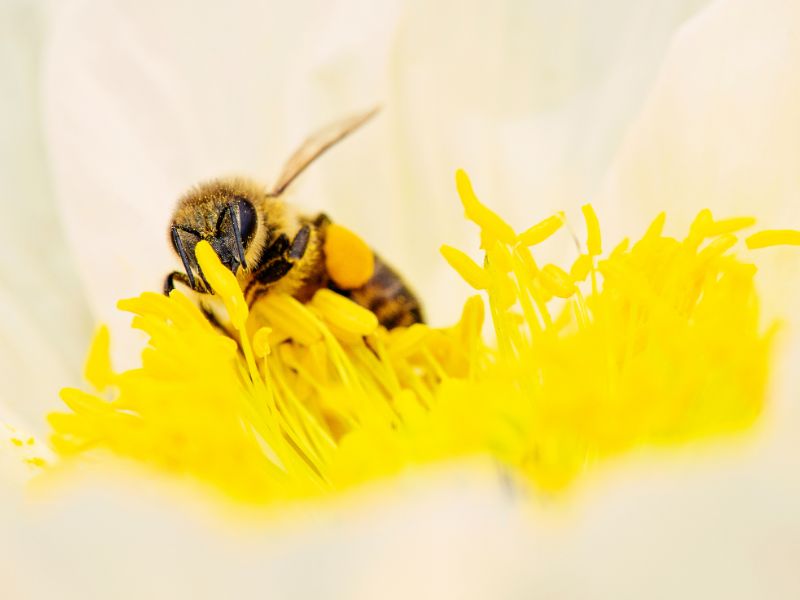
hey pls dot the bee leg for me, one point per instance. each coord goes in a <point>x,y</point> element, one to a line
<point>178,243</point>
<point>300,243</point>
<point>285,256</point>
<point>279,246</point>
<point>321,220</point>
<point>169,282</point>
<point>274,271</point>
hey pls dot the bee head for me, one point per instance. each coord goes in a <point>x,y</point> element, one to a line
<point>225,216</point>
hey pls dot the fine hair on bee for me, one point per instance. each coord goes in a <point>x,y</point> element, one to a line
<point>270,247</point>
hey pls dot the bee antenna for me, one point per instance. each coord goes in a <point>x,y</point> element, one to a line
<point>238,235</point>
<point>178,242</point>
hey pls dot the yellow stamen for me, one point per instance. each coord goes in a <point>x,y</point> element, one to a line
<point>542,230</point>
<point>489,221</point>
<point>731,225</point>
<point>261,344</point>
<point>593,244</point>
<point>665,346</point>
<point>500,257</point>
<point>343,313</point>
<point>581,267</point>
<point>557,281</point>
<point>656,227</point>
<point>287,315</point>
<point>773,237</point>
<point>700,226</point>
<point>223,282</point>
<point>409,340</point>
<point>718,247</point>
<point>98,371</point>
<point>473,274</point>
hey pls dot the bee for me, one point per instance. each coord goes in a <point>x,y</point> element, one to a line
<point>270,247</point>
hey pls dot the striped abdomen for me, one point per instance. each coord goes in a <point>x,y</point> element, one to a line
<point>387,296</point>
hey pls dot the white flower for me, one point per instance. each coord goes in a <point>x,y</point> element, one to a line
<point>114,108</point>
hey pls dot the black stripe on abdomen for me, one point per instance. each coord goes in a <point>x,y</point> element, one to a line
<point>388,297</point>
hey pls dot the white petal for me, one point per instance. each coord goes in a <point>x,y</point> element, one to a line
<point>724,526</point>
<point>45,320</point>
<point>721,128</point>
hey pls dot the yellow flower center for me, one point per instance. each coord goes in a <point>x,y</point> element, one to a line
<point>655,343</point>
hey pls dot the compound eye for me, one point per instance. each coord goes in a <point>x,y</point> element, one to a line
<point>247,220</point>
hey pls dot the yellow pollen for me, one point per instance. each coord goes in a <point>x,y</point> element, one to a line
<point>349,261</point>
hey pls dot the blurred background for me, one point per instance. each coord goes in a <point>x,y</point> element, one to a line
<point>110,109</point>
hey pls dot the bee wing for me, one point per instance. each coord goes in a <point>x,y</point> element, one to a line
<point>314,146</point>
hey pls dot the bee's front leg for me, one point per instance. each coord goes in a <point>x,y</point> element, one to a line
<point>274,271</point>
<point>169,282</point>
<point>300,243</point>
<point>287,255</point>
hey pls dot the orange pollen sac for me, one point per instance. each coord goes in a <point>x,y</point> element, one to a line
<point>348,259</point>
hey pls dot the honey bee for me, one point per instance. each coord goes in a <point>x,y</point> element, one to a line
<point>272,248</point>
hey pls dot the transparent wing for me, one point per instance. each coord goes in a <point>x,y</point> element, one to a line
<point>314,146</point>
